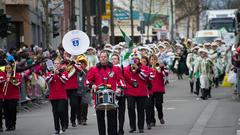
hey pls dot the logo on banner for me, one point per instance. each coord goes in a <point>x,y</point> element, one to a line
<point>75,41</point>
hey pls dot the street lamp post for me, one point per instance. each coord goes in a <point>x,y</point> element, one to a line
<point>3,41</point>
<point>112,23</point>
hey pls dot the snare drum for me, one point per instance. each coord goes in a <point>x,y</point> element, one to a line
<point>105,100</point>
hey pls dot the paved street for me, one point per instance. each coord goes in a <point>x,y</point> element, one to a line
<point>184,115</point>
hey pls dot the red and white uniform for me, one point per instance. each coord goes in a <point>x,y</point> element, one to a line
<point>2,82</point>
<point>140,78</point>
<point>99,75</point>
<point>12,90</point>
<point>151,77</point>
<point>72,82</point>
<point>158,82</point>
<point>57,85</point>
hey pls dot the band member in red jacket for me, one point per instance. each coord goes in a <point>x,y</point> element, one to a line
<point>121,97</point>
<point>158,88</point>
<point>102,74</point>
<point>149,110</point>
<point>2,80</point>
<point>11,82</point>
<point>135,76</point>
<point>71,87</point>
<point>58,96</point>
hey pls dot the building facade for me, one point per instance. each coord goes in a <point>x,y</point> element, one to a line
<point>27,18</point>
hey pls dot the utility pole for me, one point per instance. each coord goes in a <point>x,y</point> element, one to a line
<point>131,16</point>
<point>141,18</point>
<point>3,41</point>
<point>112,23</point>
<point>99,22</point>
<point>81,15</point>
<point>73,17</point>
<point>88,14</point>
<point>149,17</point>
<point>172,19</point>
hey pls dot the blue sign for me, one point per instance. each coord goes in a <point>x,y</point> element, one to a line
<point>75,41</point>
<point>125,15</point>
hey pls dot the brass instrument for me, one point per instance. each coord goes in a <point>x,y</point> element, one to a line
<point>10,78</point>
<point>134,67</point>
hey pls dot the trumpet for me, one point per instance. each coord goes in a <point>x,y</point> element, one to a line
<point>57,71</point>
<point>134,67</point>
<point>11,79</point>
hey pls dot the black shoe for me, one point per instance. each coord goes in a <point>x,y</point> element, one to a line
<point>1,129</point>
<point>79,122</point>
<point>149,126</point>
<point>203,98</point>
<point>74,124</point>
<point>57,132</point>
<point>13,128</point>
<point>152,124</point>
<point>120,132</point>
<point>141,131</point>
<point>162,121</point>
<point>8,129</point>
<point>196,93</point>
<point>209,96</point>
<point>64,129</point>
<point>132,130</point>
<point>84,122</point>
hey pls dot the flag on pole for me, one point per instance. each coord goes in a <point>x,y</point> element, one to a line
<point>129,43</point>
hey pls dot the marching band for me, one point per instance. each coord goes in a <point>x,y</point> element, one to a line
<point>120,78</point>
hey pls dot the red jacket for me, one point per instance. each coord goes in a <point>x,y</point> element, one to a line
<point>2,82</point>
<point>151,77</point>
<point>99,76</point>
<point>12,91</point>
<point>158,82</point>
<point>140,78</point>
<point>72,82</point>
<point>57,85</point>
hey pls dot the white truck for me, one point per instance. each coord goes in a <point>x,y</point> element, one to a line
<point>223,20</point>
<point>204,36</point>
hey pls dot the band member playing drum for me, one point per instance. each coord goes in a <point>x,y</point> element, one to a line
<point>11,81</point>
<point>58,96</point>
<point>104,73</point>
<point>121,98</point>
<point>135,76</point>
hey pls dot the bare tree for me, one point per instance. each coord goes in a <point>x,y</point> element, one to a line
<point>149,17</point>
<point>48,13</point>
<point>131,17</point>
<point>190,8</point>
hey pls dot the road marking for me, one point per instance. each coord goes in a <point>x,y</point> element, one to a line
<point>169,108</point>
<point>201,123</point>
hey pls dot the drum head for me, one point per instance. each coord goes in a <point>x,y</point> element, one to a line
<point>75,42</point>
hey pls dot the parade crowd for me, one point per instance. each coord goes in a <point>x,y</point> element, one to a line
<point>111,80</point>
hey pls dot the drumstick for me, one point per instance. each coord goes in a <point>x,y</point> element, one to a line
<point>5,92</point>
<point>4,87</point>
